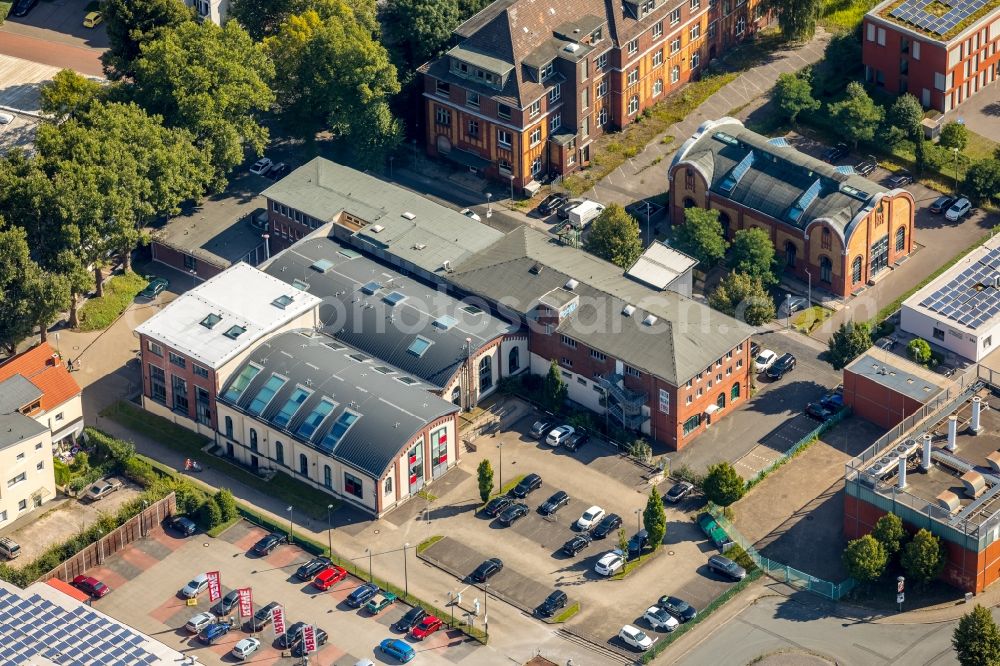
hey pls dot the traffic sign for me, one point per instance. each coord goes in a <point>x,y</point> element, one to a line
<point>900,598</point>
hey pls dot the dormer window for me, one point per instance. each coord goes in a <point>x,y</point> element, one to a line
<point>596,36</point>
<point>443,88</point>
<point>547,71</point>
<point>472,99</point>
<point>536,107</point>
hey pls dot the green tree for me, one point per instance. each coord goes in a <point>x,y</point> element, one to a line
<point>847,343</point>
<point>227,504</point>
<point>209,514</point>
<point>212,82</point>
<point>654,519</point>
<point>702,236</point>
<point>69,94</point>
<point>554,390</point>
<point>954,135</point>
<point>467,8</point>
<point>919,351</point>
<point>723,485</point>
<point>263,18</point>
<point>923,558</point>
<point>920,153</point>
<point>857,116</point>
<point>976,638</point>
<point>485,475</point>
<point>132,23</point>
<point>614,236</point>
<point>906,114</point>
<point>982,181</point>
<point>792,94</point>
<point>865,559</point>
<point>418,30</point>
<point>752,253</point>
<point>623,540</point>
<point>743,297</point>
<point>796,18</point>
<point>890,533</point>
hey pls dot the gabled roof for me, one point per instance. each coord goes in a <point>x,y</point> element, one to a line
<point>41,366</point>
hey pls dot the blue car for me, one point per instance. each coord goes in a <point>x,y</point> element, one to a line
<point>394,647</point>
<point>214,632</point>
<point>833,401</point>
<point>360,596</point>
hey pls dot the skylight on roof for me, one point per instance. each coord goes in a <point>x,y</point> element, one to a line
<point>733,179</point>
<point>282,301</point>
<point>385,370</point>
<point>235,332</point>
<point>726,138</point>
<point>316,416</point>
<point>409,381</point>
<point>347,252</point>
<point>338,430</point>
<point>336,346</point>
<point>394,298</point>
<point>300,285</point>
<point>419,346</point>
<point>211,320</point>
<point>472,310</point>
<point>241,382</point>
<point>322,265</point>
<point>292,405</point>
<point>371,287</point>
<point>445,322</point>
<point>360,358</point>
<point>265,394</point>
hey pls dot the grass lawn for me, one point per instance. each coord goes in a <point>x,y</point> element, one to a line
<point>843,15</point>
<point>119,292</point>
<point>809,319</point>
<point>632,565</point>
<point>304,498</point>
<point>427,543</point>
<point>507,487</point>
<point>572,610</point>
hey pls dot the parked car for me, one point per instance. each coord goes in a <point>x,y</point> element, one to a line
<point>9,548</point>
<point>635,638</point>
<point>725,566</point>
<point>558,435</point>
<point>528,484</point>
<point>215,631</point>
<point>570,204</point>
<point>791,305</point>
<point>513,513</point>
<point>309,570</point>
<point>397,649</point>
<point>487,570</point>
<point>497,505</point>
<point>558,500</point>
<point>540,429</point>
<point>576,544</point>
<point>329,577</point>
<point>590,517</point>
<point>102,489</point>
<point>471,214</point>
<point>866,166</point>
<point>679,608</point>
<point>835,153</point>
<point>198,623</point>
<point>227,604</point>
<point>361,594</point>
<point>583,214</point>
<point>154,288</point>
<point>577,439</point>
<point>555,601</point>
<point>678,492</point>
<point>262,617</point>
<point>901,178</point>
<point>958,210</point>
<point>278,171</point>
<point>195,586</point>
<point>261,166</point>
<point>300,647</point>
<point>410,619</point>
<point>269,543</point>
<point>834,400</point>
<point>608,524</point>
<point>182,525</point>
<point>95,588</point>
<point>941,204</point>
<point>380,602</point>
<point>754,349</point>
<point>425,628</point>
<point>292,635</point>
<point>246,647</point>
<point>659,619</point>
<point>764,360</point>
<point>782,366</point>
<point>22,7</point>
<point>6,118</point>
<point>610,563</point>
<point>638,543</point>
<point>551,204</point>
<point>93,19</point>
<point>818,411</point>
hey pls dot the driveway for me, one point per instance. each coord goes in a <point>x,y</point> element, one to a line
<point>53,34</point>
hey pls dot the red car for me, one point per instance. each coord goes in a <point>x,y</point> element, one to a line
<point>427,626</point>
<point>91,586</point>
<point>328,577</point>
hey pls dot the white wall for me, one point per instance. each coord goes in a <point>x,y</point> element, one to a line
<point>64,420</point>
<point>579,388</point>
<point>521,343</point>
<point>34,450</point>
<point>956,340</point>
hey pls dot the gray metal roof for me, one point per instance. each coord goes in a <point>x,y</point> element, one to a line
<point>16,427</point>
<point>526,266</point>
<point>370,322</point>
<point>16,392</point>
<point>899,375</point>
<point>390,412</point>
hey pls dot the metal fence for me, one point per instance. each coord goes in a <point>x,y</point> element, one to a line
<point>806,439</point>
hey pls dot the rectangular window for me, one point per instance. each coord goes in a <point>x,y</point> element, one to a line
<point>675,16</point>
<point>695,32</point>
<point>16,480</point>
<point>177,360</point>
<point>22,505</point>
<point>442,116</point>
<point>658,58</point>
<point>601,61</point>
<point>692,424</point>
<point>547,71</point>
<point>988,341</point>
<point>503,138</point>
<point>40,466</point>
<point>632,372</point>
<point>633,77</point>
<point>739,363</point>
<point>568,362</point>
<point>20,456</point>
<point>568,341</point>
<point>353,485</point>
<point>664,401</point>
<point>503,111</point>
<point>916,50</point>
<point>536,107</point>
<point>695,60</point>
<point>658,30</point>
<point>190,263</point>
<point>585,127</point>
<point>199,370</point>
<point>443,88</point>
<point>555,122</point>
<point>473,129</point>
<point>585,98</point>
<point>694,4</point>
<point>504,166</point>
<point>602,88</point>
<point>598,356</point>
<point>881,37</point>
<point>536,136</point>
<point>202,406</point>
<point>675,74</point>
<point>472,99</point>
<point>938,334</point>
<point>154,348</point>
<point>675,45</point>
<point>555,93</point>
<point>689,400</point>
<point>179,394</point>
<point>157,384</point>
<point>633,47</point>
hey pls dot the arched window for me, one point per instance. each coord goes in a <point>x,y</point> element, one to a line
<point>229,427</point>
<point>456,395</point>
<point>513,360</point>
<point>279,453</point>
<point>388,486</point>
<point>856,270</point>
<point>303,464</point>
<point>900,239</point>
<point>485,373</point>
<point>689,202</point>
<point>327,476</point>
<point>790,251</point>
<point>725,222</point>
<point>825,270</point>
<point>720,402</point>
<point>734,393</point>
<point>253,439</point>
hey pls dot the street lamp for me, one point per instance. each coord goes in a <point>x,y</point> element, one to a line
<point>391,158</point>
<point>489,204</point>
<point>956,169</point>
<point>638,520</point>
<point>290,530</point>
<point>329,529</point>
<point>406,577</point>
<point>500,468</point>
<point>511,176</point>
<point>486,612</point>
<point>369,551</point>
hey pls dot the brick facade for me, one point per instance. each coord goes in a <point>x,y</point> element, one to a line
<point>154,354</point>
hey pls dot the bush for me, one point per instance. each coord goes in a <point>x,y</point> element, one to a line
<point>139,471</point>
<point>61,472</point>
<point>723,485</point>
<point>81,463</point>
<point>227,504</point>
<point>208,515</point>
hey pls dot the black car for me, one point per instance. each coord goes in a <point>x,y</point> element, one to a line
<point>678,491</point>
<point>361,594</point>
<point>679,608</point>
<point>637,544</point>
<point>835,153</point>
<point>558,500</point>
<point>834,400</point>
<point>552,603</point>
<point>551,204</point>
<point>277,172</point>
<point>567,207</point>
<point>411,619</point>
<point>608,524</point>
<point>182,525</point>
<point>576,544</point>
<point>227,604</point>
<point>269,543</point>
<point>300,646</point>
<point>308,571</point>
<point>487,570</point>
<point>261,618</point>
<point>818,411</point>
<point>941,204</point>
<point>866,166</point>
<point>22,7</point>
<point>901,178</point>
<point>291,636</point>
<point>783,365</point>
<point>577,439</point>
<point>513,513</point>
<point>497,505</point>
<point>527,484</point>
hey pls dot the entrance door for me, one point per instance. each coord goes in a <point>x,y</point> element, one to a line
<point>254,463</point>
<point>230,451</point>
<point>443,144</point>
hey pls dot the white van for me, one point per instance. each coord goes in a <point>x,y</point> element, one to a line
<point>585,213</point>
<point>9,548</point>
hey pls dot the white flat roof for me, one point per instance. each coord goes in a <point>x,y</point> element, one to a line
<point>241,296</point>
<point>660,265</point>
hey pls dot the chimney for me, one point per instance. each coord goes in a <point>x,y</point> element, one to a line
<point>977,405</point>
<point>952,431</point>
<point>902,473</point>
<point>925,464</point>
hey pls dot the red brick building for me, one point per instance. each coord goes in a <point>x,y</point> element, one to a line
<point>885,388</point>
<point>941,52</point>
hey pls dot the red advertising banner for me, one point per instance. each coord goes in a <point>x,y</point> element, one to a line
<point>309,638</point>
<point>214,586</point>
<point>246,601</point>
<point>278,619</point>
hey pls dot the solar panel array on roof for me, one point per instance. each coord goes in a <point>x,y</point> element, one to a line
<point>953,12</point>
<point>35,627</point>
<point>973,297</point>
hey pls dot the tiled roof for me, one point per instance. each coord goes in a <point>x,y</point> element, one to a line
<point>42,367</point>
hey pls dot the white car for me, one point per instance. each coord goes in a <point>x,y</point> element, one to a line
<point>246,647</point>
<point>471,214</point>
<point>659,619</point>
<point>261,166</point>
<point>6,118</point>
<point>559,435</point>
<point>765,359</point>
<point>610,563</point>
<point>199,622</point>
<point>635,637</point>
<point>198,585</point>
<point>590,517</point>
<point>958,210</point>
